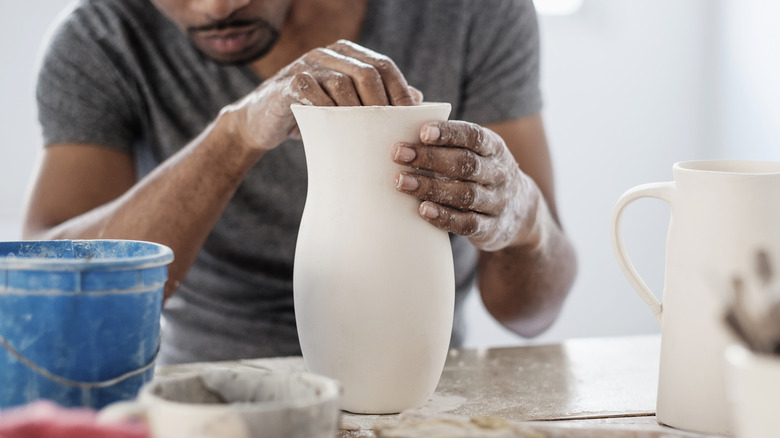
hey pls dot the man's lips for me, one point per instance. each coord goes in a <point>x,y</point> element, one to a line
<point>230,40</point>
<point>221,31</point>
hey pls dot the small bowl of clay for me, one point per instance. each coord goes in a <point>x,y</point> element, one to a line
<point>235,403</point>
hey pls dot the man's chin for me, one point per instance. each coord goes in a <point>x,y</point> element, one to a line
<point>246,56</point>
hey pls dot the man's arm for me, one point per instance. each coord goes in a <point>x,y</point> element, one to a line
<point>497,191</point>
<point>525,284</point>
<point>89,192</point>
<point>86,191</point>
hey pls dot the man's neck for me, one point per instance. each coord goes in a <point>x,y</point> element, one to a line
<point>312,24</point>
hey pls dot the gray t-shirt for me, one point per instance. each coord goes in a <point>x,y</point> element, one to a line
<point>117,73</point>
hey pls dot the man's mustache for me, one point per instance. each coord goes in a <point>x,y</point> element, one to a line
<point>225,24</point>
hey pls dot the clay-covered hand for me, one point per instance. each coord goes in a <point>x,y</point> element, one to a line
<point>473,185</point>
<point>343,73</point>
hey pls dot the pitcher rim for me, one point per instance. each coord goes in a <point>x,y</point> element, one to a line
<point>730,166</point>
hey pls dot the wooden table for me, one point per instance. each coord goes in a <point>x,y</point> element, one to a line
<point>603,387</point>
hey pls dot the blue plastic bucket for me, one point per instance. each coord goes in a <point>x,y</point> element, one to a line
<point>79,319</point>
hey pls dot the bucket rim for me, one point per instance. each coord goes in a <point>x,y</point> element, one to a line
<point>164,256</point>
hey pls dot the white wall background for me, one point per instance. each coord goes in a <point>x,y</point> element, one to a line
<point>25,24</point>
<point>631,86</point>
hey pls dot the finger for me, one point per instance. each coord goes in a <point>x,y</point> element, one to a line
<point>417,95</point>
<point>295,133</point>
<point>339,87</point>
<point>461,134</point>
<point>366,79</point>
<point>306,90</point>
<point>461,195</point>
<point>451,162</point>
<point>469,224</point>
<point>398,91</point>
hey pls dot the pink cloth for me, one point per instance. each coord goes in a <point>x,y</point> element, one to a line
<point>44,419</point>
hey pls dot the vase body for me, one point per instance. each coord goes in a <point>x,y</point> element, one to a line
<point>374,282</point>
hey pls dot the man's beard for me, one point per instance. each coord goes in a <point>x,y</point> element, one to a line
<point>264,37</point>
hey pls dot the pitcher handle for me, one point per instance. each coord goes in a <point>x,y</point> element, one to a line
<point>660,191</point>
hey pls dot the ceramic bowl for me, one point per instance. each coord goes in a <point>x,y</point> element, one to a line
<point>236,403</point>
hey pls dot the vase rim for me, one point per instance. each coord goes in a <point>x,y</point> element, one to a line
<point>373,107</point>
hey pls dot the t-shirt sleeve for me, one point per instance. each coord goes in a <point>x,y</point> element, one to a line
<point>82,96</point>
<point>502,63</point>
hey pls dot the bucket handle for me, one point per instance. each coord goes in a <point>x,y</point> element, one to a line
<point>74,383</point>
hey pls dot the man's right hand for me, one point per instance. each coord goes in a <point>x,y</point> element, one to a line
<point>343,74</point>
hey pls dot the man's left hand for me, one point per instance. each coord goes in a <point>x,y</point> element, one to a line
<point>476,188</point>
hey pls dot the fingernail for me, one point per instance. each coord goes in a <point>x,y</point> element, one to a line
<point>429,211</point>
<point>404,154</point>
<point>430,133</point>
<point>407,182</point>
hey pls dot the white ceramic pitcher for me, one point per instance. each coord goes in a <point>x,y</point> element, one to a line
<point>373,281</point>
<point>722,212</point>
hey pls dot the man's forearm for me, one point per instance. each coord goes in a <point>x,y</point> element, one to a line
<point>524,286</point>
<point>177,204</point>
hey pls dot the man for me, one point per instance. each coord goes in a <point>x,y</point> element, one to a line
<point>169,121</point>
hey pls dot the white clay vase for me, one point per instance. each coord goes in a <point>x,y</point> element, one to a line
<point>374,282</point>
